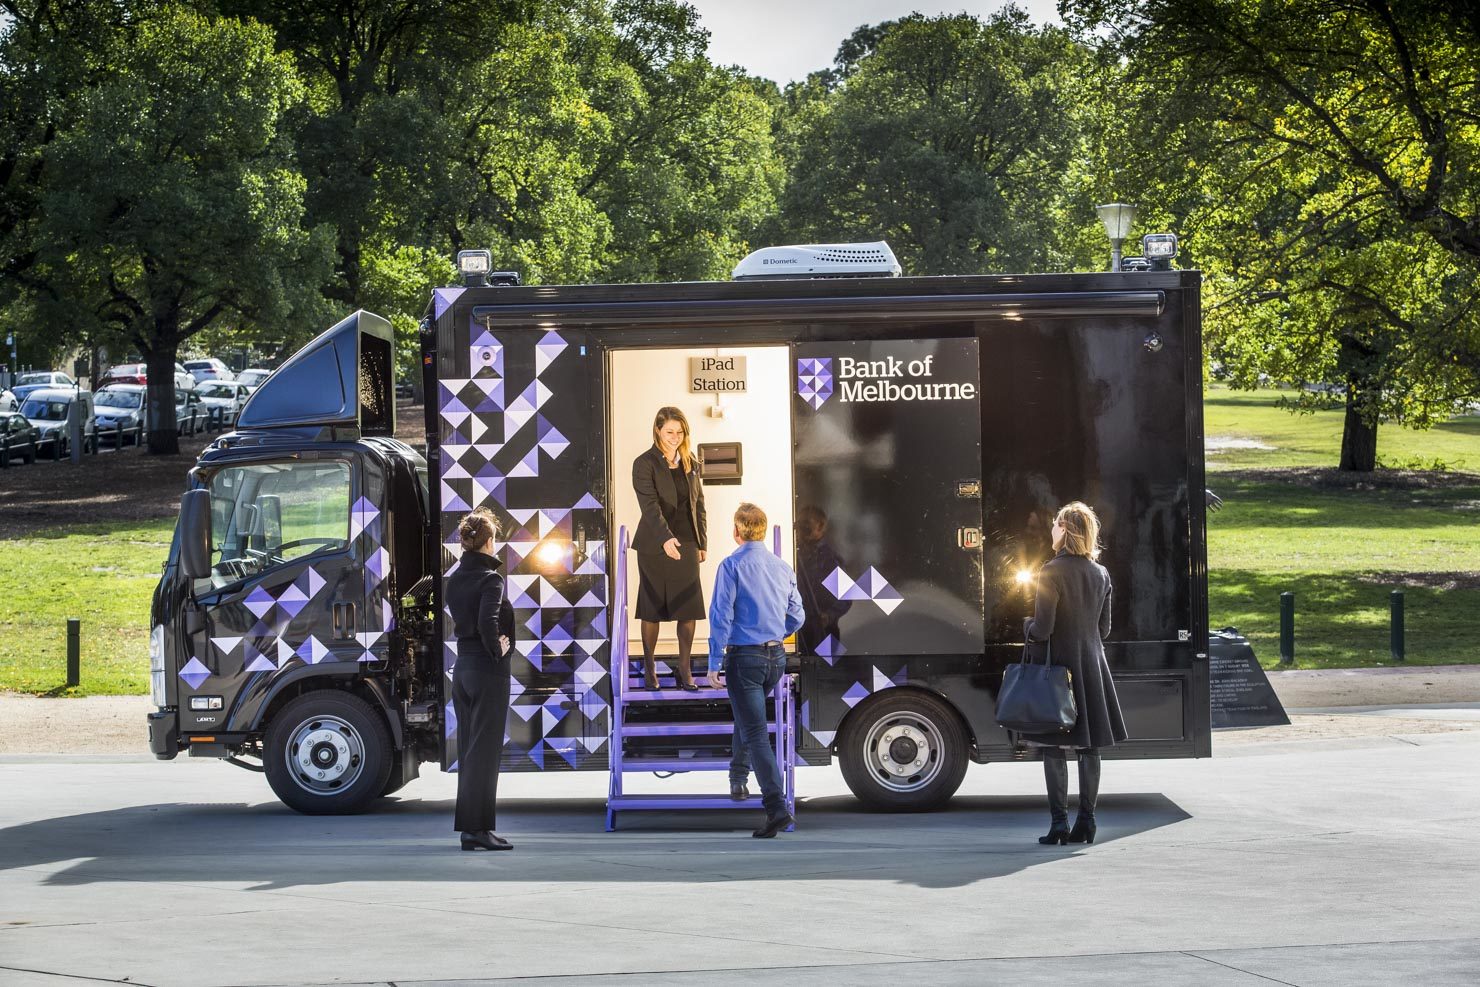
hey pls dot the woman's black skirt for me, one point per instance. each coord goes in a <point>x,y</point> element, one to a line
<point>668,589</point>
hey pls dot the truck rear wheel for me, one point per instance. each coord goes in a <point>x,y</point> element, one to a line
<point>327,753</point>
<point>904,752</point>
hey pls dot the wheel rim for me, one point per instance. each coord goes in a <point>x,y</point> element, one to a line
<point>904,751</point>
<point>326,755</point>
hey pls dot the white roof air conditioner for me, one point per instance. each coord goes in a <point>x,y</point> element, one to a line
<point>820,260</point>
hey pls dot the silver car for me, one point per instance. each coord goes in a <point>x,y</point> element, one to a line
<point>228,395</point>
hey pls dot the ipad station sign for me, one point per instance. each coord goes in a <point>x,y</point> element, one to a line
<point>717,375</point>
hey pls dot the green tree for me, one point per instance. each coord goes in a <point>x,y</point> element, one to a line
<point>1321,159</point>
<point>173,202</point>
<point>952,137</point>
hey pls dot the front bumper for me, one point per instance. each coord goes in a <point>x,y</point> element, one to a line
<point>164,734</point>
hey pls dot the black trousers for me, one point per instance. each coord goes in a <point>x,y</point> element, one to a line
<point>1056,775</point>
<point>480,698</point>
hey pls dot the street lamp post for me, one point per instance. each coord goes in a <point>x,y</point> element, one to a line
<point>1117,218</point>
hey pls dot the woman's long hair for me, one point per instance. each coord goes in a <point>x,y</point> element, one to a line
<point>671,414</point>
<point>1081,529</point>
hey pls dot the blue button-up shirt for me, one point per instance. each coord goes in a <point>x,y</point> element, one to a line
<point>755,600</point>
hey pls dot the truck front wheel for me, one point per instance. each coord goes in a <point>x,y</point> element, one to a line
<point>327,753</point>
<point>904,752</point>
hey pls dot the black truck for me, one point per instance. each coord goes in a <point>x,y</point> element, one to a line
<point>910,437</point>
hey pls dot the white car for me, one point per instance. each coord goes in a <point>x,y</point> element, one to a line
<point>35,380</point>
<point>8,401</point>
<point>47,410</point>
<point>228,395</point>
<point>253,378</point>
<point>209,368</point>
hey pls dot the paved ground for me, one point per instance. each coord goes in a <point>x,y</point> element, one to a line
<point>1348,860</point>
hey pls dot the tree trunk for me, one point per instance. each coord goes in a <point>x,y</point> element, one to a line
<point>1359,433</point>
<point>160,412</point>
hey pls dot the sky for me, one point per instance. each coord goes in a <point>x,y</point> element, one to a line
<point>783,40</point>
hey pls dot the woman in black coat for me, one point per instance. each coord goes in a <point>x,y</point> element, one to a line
<point>1072,614</point>
<point>670,542</point>
<point>483,622</point>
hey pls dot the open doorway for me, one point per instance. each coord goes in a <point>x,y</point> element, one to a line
<point>757,417</point>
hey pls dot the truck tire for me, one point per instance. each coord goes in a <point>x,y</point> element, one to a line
<point>904,752</point>
<point>328,753</point>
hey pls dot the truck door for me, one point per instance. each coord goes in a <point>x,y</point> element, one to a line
<point>288,585</point>
<point>888,497</point>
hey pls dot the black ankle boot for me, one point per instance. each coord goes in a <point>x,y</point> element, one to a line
<point>1057,834</point>
<point>1083,831</point>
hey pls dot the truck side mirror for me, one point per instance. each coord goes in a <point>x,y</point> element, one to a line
<point>271,520</point>
<point>195,534</point>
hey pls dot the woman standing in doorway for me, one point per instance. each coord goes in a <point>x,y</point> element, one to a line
<point>670,542</point>
<point>483,622</point>
<point>1072,614</point>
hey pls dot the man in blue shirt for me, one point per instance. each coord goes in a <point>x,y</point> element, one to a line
<point>754,608</point>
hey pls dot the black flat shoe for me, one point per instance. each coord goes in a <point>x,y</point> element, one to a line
<point>689,687</point>
<point>485,840</point>
<point>739,793</point>
<point>1057,835</point>
<point>1083,831</point>
<point>774,825</point>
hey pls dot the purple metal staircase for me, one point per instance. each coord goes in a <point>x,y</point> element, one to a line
<point>670,731</point>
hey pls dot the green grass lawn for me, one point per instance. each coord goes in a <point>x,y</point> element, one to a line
<point>103,575</point>
<point>1315,439</point>
<point>1340,550</point>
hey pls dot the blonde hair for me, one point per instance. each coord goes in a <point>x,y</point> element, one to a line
<point>1081,529</point>
<point>672,414</point>
<point>750,522</point>
<point>475,528</point>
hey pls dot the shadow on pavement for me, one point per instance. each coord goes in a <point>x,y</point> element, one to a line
<point>267,846</point>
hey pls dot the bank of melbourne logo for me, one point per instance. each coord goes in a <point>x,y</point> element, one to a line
<point>815,380</point>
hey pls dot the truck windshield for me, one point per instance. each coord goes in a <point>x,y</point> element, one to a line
<point>270,514</point>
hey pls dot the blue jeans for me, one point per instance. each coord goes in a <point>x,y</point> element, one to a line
<point>751,674</point>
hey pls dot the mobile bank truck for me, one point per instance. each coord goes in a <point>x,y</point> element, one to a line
<point>910,438</point>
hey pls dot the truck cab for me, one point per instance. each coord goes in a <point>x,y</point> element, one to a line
<point>285,624</point>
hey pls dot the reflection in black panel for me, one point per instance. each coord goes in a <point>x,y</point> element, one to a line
<point>377,402</point>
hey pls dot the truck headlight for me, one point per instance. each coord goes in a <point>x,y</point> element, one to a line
<point>156,665</point>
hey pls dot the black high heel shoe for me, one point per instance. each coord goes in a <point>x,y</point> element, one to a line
<point>1057,835</point>
<point>1083,831</point>
<point>485,840</point>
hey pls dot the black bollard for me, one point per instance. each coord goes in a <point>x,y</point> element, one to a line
<point>1287,628</point>
<point>74,651</point>
<point>1395,634</point>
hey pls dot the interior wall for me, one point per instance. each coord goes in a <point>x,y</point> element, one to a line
<point>642,381</point>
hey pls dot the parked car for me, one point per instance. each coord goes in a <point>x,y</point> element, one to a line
<point>228,395</point>
<point>119,404</point>
<point>8,400</point>
<point>404,389</point>
<point>37,379</point>
<point>18,437</point>
<point>209,368</point>
<point>138,373</point>
<point>47,410</point>
<point>253,378</point>
<point>187,406</point>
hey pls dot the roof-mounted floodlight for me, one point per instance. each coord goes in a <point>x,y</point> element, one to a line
<point>1117,217</point>
<point>1159,249</point>
<point>473,266</point>
<point>820,260</point>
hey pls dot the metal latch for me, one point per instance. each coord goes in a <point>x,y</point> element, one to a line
<point>968,488</point>
<point>969,538</point>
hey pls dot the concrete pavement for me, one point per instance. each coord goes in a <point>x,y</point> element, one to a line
<point>1306,864</point>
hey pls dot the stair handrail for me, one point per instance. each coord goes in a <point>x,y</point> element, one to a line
<point>618,663</point>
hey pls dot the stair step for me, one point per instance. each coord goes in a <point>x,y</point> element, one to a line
<point>668,695</point>
<point>685,728</point>
<point>630,763</point>
<point>626,803</point>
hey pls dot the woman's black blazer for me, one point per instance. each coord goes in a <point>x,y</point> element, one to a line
<point>480,609</point>
<point>657,495</point>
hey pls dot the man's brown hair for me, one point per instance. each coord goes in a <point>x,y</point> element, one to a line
<point>750,522</point>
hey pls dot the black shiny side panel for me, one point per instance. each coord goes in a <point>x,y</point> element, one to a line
<point>887,467</point>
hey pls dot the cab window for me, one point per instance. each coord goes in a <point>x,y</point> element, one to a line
<point>270,514</point>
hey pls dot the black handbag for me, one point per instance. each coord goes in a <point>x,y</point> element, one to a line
<point>1036,698</point>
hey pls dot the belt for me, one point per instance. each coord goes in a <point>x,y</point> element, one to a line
<point>763,644</point>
